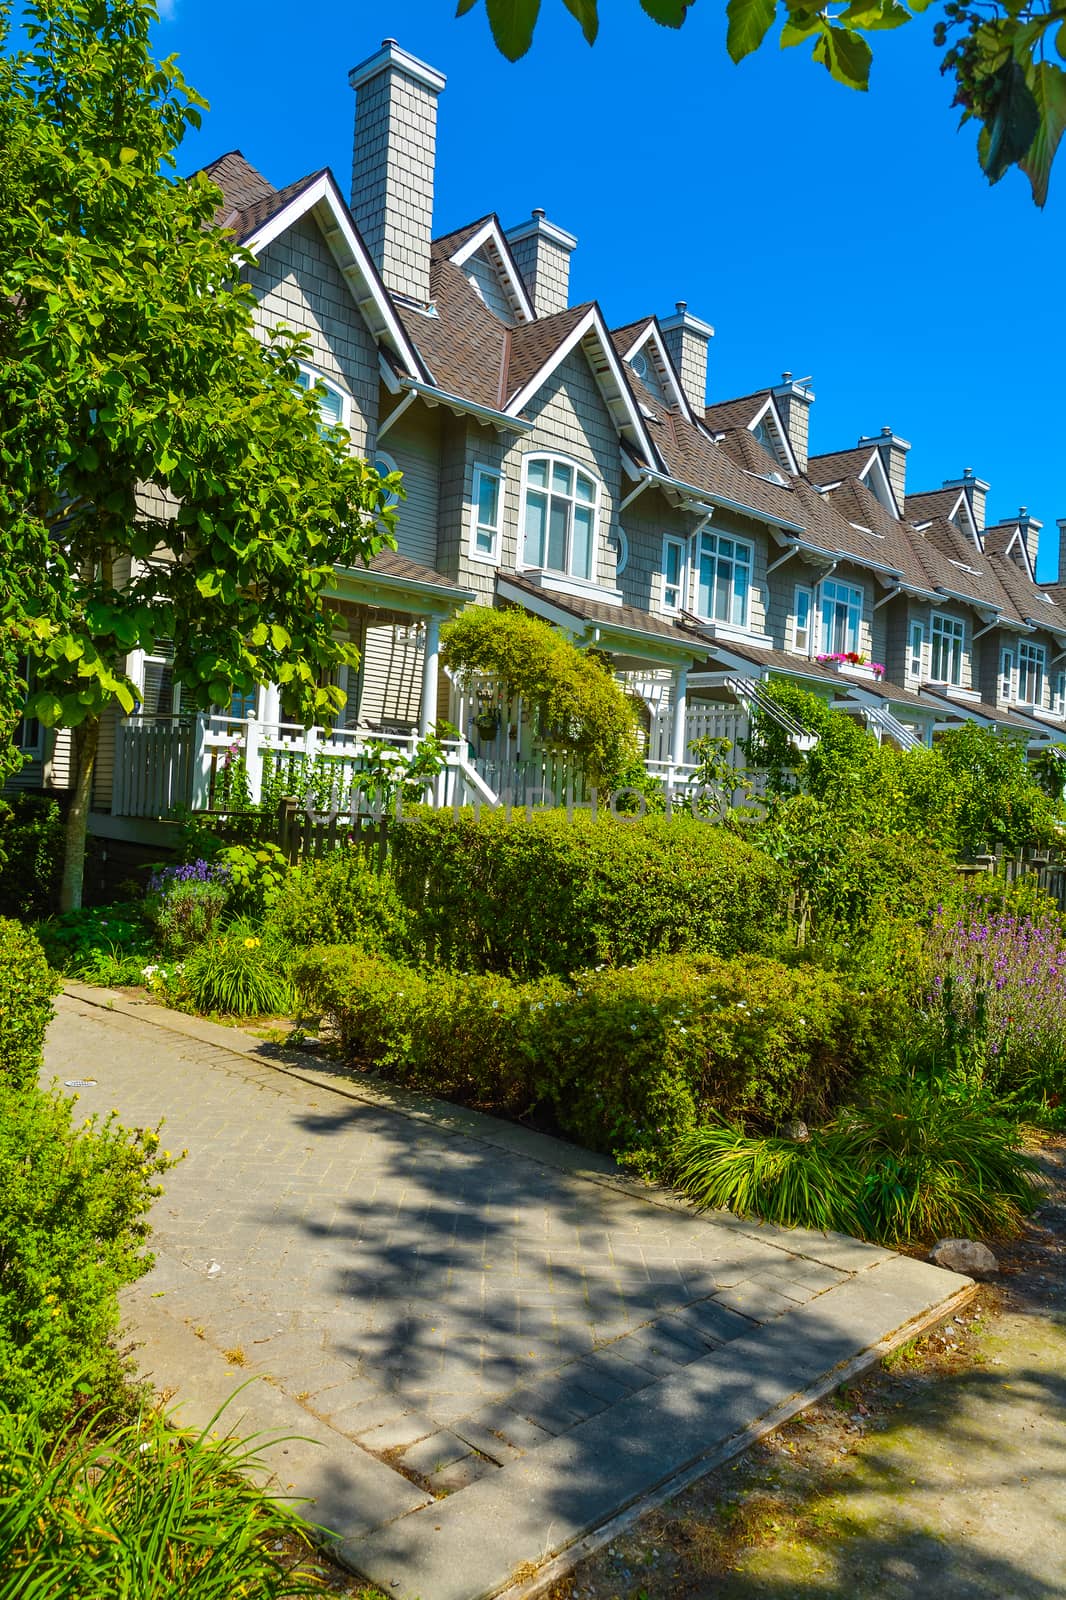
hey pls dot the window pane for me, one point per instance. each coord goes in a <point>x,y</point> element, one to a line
<point>488,500</point>
<point>704,596</point>
<point>585,489</point>
<point>673,563</point>
<point>485,540</point>
<point>562,479</point>
<point>331,406</point>
<point>581,558</point>
<point>740,595</point>
<point>536,505</point>
<point>537,475</point>
<point>722,574</point>
<point>557,529</point>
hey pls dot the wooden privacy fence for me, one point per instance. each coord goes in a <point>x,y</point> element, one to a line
<point>302,836</point>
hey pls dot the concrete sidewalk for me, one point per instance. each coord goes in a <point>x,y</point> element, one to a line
<point>492,1344</point>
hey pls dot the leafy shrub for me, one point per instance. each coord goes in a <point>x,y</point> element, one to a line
<point>236,974</point>
<point>256,876</point>
<point>186,903</point>
<point>626,1059</point>
<point>137,1508</point>
<point>338,899</point>
<point>31,856</point>
<point>552,894</point>
<point>578,704</point>
<point>96,940</point>
<point>74,1202</point>
<point>26,989</point>
<point>913,1163</point>
<point>636,1055</point>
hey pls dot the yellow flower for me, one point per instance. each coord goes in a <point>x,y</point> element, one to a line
<point>251,944</point>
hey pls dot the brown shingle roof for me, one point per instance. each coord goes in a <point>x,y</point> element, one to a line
<point>924,506</point>
<point>464,345</point>
<point>625,337</point>
<point>838,464</point>
<point>390,564</point>
<point>1028,599</point>
<point>449,243</point>
<point>734,413</point>
<point>533,343</point>
<point>633,618</point>
<point>239,181</point>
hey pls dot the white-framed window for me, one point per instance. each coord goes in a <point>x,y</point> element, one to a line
<point>384,466</point>
<point>486,516</point>
<point>802,608</point>
<point>948,638</point>
<point>673,573</point>
<point>841,617</point>
<point>560,514</point>
<point>1058,694</point>
<point>333,403</point>
<point>915,649</point>
<point>1032,666</point>
<point>619,543</point>
<point>723,578</point>
<point>1006,675</point>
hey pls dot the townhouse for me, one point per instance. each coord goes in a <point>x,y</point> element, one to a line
<point>575,470</point>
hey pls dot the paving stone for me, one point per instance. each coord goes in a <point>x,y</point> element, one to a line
<point>485,1442</point>
<point>432,1455</point>
<point>396,1432</point>
<point>462,1473</point>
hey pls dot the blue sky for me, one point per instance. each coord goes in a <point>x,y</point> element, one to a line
<point>848,237</point>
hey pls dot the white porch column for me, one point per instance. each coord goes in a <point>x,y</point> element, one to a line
<point>427,714</point>
<point>677,730</point>
<point>269,708</point>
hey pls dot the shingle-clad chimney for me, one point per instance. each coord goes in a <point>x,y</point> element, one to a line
<point>542,254</point>
<point>1030,533</point>
<point>794,400</point>
<point>687,338</point>
<point>393,157</point>
<point>893,452</point>
<point>976,493</point>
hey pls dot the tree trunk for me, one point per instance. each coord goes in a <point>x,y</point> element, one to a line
<point>86,740</point>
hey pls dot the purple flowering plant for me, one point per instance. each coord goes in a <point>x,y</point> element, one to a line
<point>186,903</point>
<point>1000,979</point>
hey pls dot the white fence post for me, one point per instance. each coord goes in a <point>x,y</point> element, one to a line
<point>201,768</point>
<point>253,758</point>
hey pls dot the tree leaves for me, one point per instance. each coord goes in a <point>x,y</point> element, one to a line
<point>845,54</point>
<point>668,13</point>
<point>512,23</point>
<point>585,12</point>
<point>1048,88</point>
<point>1012,121</point>
<point>749,22</point>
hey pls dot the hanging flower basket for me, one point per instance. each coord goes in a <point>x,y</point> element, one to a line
<point>487,723</point>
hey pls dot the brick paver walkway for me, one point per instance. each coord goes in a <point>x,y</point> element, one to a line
<point>448,1299</point>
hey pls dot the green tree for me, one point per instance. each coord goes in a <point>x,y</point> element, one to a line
<point>1004,56</point>
<point>158,449</point>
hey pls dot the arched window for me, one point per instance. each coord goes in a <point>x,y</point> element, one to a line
<point>333,403</point>
<point>560,512</point>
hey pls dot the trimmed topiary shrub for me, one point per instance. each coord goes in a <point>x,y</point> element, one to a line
<point>554,893</point>
<point>27,985</point>
<point>339,900</point>
<point>73,1223</point>
<point>627,1060</point>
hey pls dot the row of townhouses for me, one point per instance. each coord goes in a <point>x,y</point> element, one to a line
<point>575,470</point>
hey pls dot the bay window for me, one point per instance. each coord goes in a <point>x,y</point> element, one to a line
<point>560,508</point>
<point>948,637</point>
<point>723,579</point>
<point>841,617</point>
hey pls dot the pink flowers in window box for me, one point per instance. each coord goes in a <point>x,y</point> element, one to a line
<point>850,658</point>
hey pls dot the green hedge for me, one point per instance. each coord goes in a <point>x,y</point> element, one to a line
<point>339,900</point>
<point>553,894</point>
<point>73,1208</point>
<point>627,1059</point>
<point>27,985</point>
<point>31,856</point>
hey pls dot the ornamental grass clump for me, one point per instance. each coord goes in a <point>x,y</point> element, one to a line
<point>1001,985</point>
<point>237,974</point>
<point>139,1509</point>
<point>913,1163</point>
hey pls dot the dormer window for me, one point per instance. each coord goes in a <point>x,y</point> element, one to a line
<point>333,403</point>
<point>948,635</point>
<point>1032,666</point>
<point>560,513</point>
<point>841,605</point>
<point>723,579</point>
